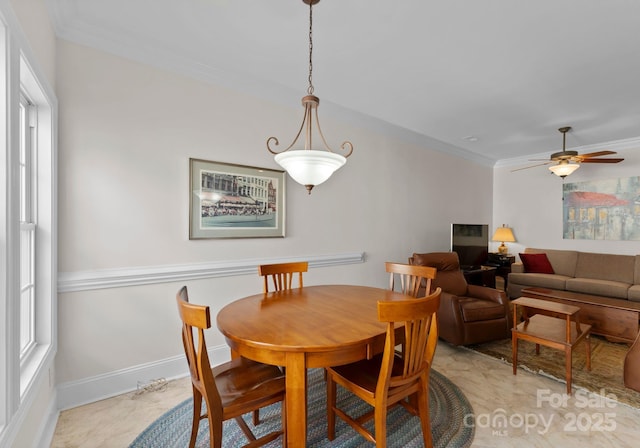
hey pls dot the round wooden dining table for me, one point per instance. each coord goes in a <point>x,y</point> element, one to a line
<point>313,326</point>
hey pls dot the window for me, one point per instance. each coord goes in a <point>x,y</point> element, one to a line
<point>27,227</point>
<point>35,332</point>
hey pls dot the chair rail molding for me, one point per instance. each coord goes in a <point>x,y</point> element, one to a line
<point>135,276</point>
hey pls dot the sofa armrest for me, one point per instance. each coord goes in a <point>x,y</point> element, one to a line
<point>517,267</point>
<point>486,293</point>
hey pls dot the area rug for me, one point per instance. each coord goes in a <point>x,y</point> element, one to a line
<point>448,407</point>
<point>605,377</point>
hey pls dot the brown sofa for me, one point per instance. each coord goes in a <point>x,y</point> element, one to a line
<point>615,278</point>
<point>468,314</point>
<point>607,275</point>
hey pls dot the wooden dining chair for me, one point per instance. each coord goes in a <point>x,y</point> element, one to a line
<point>282,274</point>
<point>230,389</point>
<point>414,279</point>
<point>388,379</point>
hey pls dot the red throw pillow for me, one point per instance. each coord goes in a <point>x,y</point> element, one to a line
<point>538,263</point>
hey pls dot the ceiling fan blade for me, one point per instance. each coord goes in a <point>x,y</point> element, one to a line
<point>601,160</point>
<point>532,166</point>
<point>597,154</point>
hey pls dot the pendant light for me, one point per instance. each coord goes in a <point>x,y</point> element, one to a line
<point>309,166</point>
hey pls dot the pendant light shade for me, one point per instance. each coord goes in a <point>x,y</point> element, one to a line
<point>309,167</point>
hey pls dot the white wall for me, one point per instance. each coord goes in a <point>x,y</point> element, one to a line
<point>127,131</point>
<point>36,24</point>
<point>530,201</point>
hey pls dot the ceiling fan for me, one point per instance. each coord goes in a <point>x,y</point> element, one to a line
<point>568,161</point>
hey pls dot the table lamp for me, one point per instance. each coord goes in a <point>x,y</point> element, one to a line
<point>503,234</point>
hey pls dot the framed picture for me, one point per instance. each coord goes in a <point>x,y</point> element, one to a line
<point>235,201</point>
<point>601,210</point>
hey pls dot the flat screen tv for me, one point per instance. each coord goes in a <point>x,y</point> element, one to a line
<point>471,242</point>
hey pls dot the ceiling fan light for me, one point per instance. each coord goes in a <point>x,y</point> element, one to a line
<point>564,169</point>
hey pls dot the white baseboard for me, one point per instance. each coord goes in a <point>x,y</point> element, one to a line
<point>89,390</point>
<point>49,427</point>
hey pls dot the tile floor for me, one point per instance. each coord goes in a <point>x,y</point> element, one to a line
<point>533,410</point>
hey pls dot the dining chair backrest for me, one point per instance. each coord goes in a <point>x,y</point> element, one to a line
<point>402,378</point>
<point>196,319</point>
<point>413,279</point>
<point>420,338</point>
<point>282,274</point>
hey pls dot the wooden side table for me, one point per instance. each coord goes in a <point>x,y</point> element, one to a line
<point>561,333</point>
<point>502,263</point>
<point>632,366</point>
<point>484,276</point>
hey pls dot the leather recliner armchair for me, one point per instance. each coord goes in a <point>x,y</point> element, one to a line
<point>468,314</point>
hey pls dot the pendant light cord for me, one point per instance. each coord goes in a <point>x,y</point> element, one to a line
<point>310,88</point>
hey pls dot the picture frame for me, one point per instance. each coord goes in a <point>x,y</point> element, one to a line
<point>235,201</point>
<point>602,209</point>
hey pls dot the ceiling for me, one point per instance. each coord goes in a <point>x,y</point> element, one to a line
<point>488,79</point>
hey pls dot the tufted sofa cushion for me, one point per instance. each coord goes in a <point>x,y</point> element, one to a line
<point>552,281</point>
<point>634,293</point>
<point>598,287</point>
<point>616,268</point>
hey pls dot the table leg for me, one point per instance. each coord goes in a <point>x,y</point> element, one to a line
<point>588,337</point>
<point>514,352</point>
<point>296,399</point>
<point>568,356</point>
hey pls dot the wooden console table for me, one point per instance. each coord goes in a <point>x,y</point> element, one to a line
<point>615,319</point>
<point>555,332</point>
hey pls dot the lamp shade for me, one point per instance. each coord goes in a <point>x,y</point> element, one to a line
<point>310,167</point>
<point>564,169</point>
<point>504,234</point>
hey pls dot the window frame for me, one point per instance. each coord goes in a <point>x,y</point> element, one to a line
<point>23,385</point>
<point>45,263</point>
